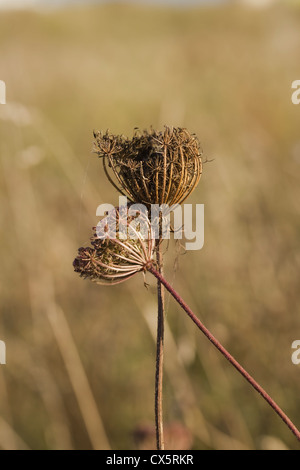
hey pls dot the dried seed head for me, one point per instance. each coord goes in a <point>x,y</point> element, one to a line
<point>154,167</point>
<point>113,260</point>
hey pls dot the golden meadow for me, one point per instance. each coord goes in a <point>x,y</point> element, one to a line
<point>80,357</point>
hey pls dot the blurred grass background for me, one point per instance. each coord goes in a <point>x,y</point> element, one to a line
<point>80,358</point>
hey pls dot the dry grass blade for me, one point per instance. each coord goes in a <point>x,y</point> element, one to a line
<point>9,439</point>
<point>42,296</point>
<point>78,378</point>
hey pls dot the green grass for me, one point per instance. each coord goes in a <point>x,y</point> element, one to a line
<point>224,73</point>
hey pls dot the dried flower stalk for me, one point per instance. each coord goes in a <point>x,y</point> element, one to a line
<point>154,167</point>
<point>151,168</point>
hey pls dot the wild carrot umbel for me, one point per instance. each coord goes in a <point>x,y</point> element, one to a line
<point>151,168</point>
<point>114,260</point>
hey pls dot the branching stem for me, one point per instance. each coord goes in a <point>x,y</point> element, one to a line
<point>225,353</point>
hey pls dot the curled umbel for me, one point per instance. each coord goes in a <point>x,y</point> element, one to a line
<point>154,167</point>
<point>114,259</point>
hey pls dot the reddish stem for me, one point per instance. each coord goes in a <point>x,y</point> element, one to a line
<point>225,353</point>
<point>159,357</point>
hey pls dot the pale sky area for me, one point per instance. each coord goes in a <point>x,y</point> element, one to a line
<point>13,4</point>
<point>37,3</point>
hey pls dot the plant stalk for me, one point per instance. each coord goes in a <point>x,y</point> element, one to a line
<point>225,353</point>
<point>159,353</point>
